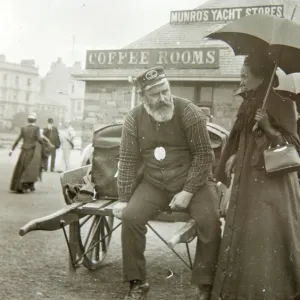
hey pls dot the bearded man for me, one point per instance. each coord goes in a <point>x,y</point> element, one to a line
<point>169,135</point>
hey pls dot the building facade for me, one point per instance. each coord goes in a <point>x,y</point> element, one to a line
<point>201,70</point>
<point>19,89</point>
<point>61,94</point>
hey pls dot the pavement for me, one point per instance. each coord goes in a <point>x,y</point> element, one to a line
<point>35,266</point>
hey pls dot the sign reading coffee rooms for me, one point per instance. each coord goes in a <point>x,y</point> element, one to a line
<point>223,14</point>
<point>181,58</point>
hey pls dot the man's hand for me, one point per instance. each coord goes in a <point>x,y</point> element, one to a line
<point>181,200</point>
<point>230,164</point>
<point>263,120</point>
<point>118,209</point>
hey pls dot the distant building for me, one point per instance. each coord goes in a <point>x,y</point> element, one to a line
<point>62,93</point>
<point>19,88</point>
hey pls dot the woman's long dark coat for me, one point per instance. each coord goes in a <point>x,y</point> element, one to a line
<point>260,251</point>
<point>28,167</point>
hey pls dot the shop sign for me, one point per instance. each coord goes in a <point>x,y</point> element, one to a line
<point>181,58</point>
<point>223,14</point>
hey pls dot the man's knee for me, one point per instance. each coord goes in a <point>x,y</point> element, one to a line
<point>131,217</point>
<point>205,208</point>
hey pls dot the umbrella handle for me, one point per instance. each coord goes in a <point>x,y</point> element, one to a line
<point>267,93</point>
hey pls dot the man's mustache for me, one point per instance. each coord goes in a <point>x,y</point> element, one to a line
<point>162,104</point>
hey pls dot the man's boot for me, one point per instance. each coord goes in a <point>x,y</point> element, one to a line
<point>204,292</point>
<point>138,291</point>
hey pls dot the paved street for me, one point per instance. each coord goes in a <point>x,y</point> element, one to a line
<point>36,266</point>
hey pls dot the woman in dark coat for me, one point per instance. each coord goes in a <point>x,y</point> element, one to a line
<point>28,168</point>
<point>260,251</point>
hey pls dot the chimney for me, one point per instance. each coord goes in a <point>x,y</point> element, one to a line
<point>2,58</point>
<point>77,65</point>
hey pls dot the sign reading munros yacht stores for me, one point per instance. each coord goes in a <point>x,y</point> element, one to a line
<point>181,58</point>
<point>223,14</point>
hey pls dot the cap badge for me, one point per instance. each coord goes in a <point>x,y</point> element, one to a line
<point>152,74</point>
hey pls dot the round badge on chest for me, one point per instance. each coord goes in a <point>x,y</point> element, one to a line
<point>159,153</point>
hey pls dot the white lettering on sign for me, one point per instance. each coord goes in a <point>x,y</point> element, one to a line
<point>111,57</point>
<point>135,58</point>
<point>144,58</point>
<point>197,57</point>
<point>162,57</point>
<point>211,57</point>
<point>223,14</point>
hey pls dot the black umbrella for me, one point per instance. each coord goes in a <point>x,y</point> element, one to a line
<point>274,37</point>
<point>277,37</point>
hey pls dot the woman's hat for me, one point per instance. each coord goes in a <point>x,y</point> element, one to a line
<point>32,116</point>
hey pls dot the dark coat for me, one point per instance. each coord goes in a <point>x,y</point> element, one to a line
<point>260,251</point>
<point>28,167</point>
<point>53,135</point>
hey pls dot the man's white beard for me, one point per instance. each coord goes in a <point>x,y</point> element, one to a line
<point>162,114</point>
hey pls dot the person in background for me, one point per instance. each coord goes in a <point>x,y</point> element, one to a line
<point>28,168</point>
<point>51,132</point>
<point>67,135</point>
<point>170,136</point>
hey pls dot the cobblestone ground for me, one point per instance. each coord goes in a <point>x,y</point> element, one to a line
<point>36,266</point>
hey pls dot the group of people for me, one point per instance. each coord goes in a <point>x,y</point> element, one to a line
<point>38,146</point>
<point>258,255</point>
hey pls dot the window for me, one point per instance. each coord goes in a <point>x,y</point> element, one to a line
<point>27,97</point>
<point>205,100</point>
<point>4,80</point>
<point>79,106</point>
<point>17,81</point>
<point>15,96</point>
<point>3,94</point>
<point>206,96</point>
<point>187,92</point>
<point>73,88</point>
<point>29,82</point>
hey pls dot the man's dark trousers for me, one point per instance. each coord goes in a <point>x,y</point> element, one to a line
<point>52,155</point>
<point>148,201</point>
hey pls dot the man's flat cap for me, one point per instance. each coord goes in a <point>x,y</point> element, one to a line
<point>151,78</point>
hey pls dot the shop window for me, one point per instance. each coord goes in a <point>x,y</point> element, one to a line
<point>187,92</point>
<point>206,96</point>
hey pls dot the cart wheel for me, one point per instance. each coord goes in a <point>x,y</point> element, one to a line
<point>94,237</point>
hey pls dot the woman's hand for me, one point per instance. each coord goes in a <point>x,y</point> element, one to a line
<point>263,120</point>
<point>230,164</point>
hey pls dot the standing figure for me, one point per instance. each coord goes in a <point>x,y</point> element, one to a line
<point>29,165</point>
<point>260,250</point>
<point>67,135</point>
<point>51,132</point>
<point>169,135</point>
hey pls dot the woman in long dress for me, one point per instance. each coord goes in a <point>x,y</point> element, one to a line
<point>29,165</point>
<point>67,135</point>
<point>260,250</point>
